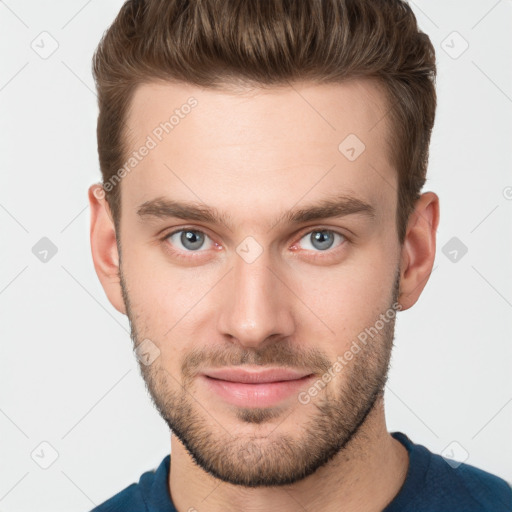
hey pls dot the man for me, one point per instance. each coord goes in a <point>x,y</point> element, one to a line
<point>260,223</point>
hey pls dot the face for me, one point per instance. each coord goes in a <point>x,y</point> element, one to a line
<point>229,263</point>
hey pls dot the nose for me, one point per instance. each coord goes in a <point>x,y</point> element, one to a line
<point>256,303</point>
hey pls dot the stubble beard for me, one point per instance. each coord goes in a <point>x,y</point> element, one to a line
<point>282,457</point>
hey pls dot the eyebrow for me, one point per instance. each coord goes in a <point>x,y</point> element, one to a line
<point>339,206</point>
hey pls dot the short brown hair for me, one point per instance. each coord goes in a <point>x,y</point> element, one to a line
<point>265,43</point>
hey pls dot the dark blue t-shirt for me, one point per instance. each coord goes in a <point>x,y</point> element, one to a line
<point>431,485</point>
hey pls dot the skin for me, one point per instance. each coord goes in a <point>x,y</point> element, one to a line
<point>238,152</point>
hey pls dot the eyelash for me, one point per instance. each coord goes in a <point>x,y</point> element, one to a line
<point>328,252</point>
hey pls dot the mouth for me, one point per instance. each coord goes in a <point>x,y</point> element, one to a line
<point>255,387</point>
<point>256,376</point>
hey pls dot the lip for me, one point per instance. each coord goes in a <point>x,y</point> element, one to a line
<point>255,388</point>
<point>256,376</point>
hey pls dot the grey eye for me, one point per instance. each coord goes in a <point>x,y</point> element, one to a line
<point>190,239</point>
<point>321,239</point>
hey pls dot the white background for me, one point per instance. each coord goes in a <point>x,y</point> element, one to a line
<point>68,374</point>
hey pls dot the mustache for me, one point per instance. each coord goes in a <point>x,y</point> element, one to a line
<point>280,354</point>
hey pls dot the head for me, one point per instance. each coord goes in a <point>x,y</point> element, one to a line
<point>261,206</point>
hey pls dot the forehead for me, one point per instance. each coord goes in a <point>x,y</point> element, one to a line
<point>251,150</point>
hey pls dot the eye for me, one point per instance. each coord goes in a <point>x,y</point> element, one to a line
<point>193,240</point>
<point>322,239</point>
<point>190,239</point>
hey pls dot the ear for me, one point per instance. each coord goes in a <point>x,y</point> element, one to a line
<point>419,249</point>
<point>104,247</point>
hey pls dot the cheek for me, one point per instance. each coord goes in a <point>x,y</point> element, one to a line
<point>169,303</point>
<point>350,297</point>
<point>166,302</point>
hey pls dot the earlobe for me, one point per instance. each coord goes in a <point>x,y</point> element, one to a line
<point>104,247</point>
<point>419,249</point>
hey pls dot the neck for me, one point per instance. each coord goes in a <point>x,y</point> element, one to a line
<point>366,475</point>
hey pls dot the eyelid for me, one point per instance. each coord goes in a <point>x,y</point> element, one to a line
<point>328,252</point>
<point>190,228</point>
<point>329,229</point>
